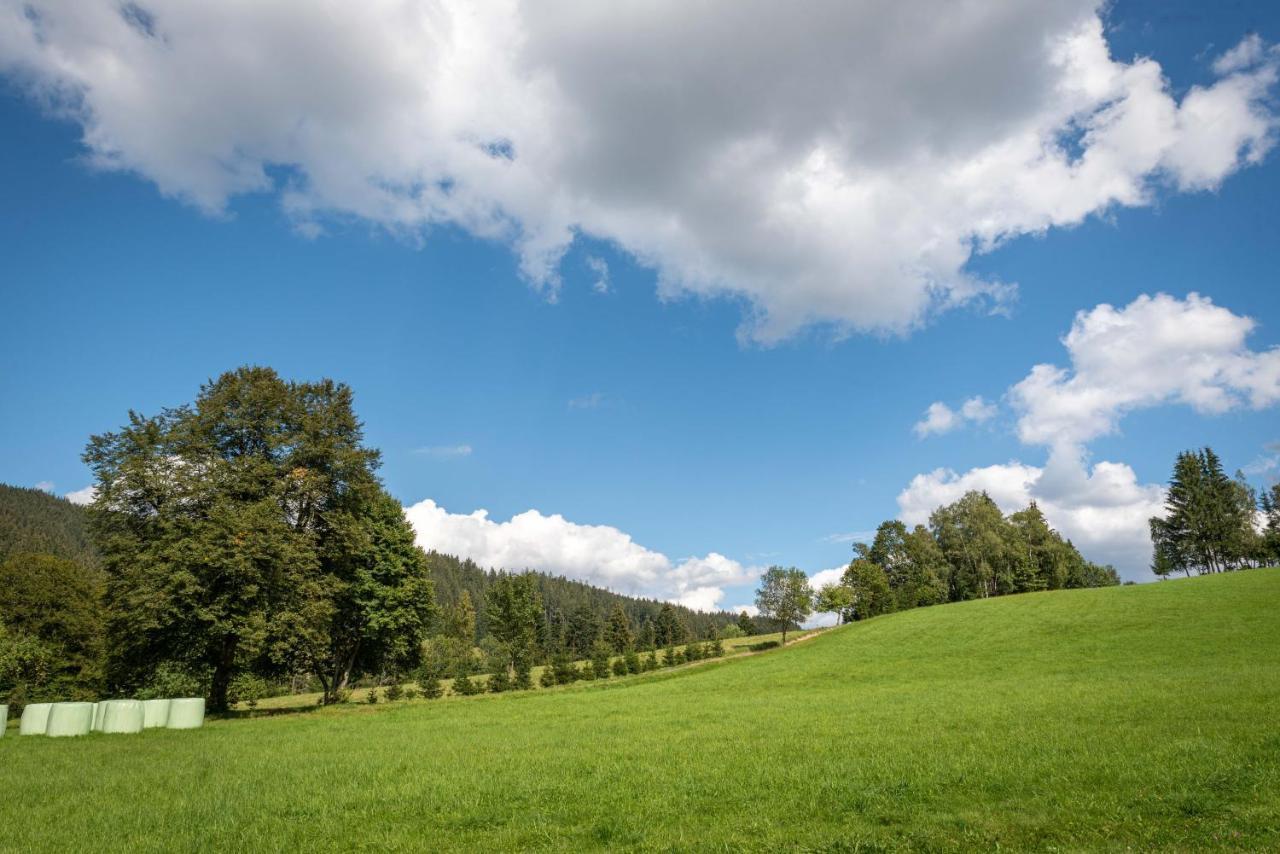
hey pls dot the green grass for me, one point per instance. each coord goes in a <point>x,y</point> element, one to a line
<point>1137,717</point>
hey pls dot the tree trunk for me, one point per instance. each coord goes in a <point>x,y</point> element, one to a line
<point>221,682</point>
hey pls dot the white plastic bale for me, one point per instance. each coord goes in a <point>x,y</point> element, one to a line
<point>98,709</point>
<point>186,713</point>
<point>69,719</point>
<point>122,716</point>
<point>155,713</point>
<point>4,719</point>
<point>35,719</point>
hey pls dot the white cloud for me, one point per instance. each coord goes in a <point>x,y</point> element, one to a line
<point>824,577</point>
<point>752,610</point>
<point>597,554</point>
<point>588,401</point>
<point>1155,351</point>
<point>82,496</point>
<point>850,537</point>
<point>940,418</point>
<point>444,452</point>
<point>600,268</point>
<point>838,166</point>
<point>45,486</point>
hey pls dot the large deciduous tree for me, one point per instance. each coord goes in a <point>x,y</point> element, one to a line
<point>249,531</point>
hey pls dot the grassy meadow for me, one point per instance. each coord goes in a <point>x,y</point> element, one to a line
<point>1104,719</point>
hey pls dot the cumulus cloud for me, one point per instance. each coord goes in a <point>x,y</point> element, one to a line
<point>82,496</point>
<point>45,486</point>
<point>1157,350</point>
<point>838,166</point>
<point>597,554</point>
<point>600,268</point>
<point>940,418</point>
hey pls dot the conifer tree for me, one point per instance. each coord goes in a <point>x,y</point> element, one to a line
<point>747,625</point>
<point>600,659</point>
<point>499,682</point>
<point>618,632</point>
<point>429,684</point>
<point>465,686</point>
<point>548,677</point>
<point>620,667</point>
<point>669,656</point>
<point>648,639</point>
<point>632,661</point>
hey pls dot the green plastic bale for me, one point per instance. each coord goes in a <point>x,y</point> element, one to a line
<point>4,719</point>
<point>35,719</point>
<point>69,719</point>
<point>186,713</point>
<point>155,713</point>
<point>122,716</point>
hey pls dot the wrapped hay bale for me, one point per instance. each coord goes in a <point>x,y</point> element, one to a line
<point>4,719</point>
<point>186,713</point>
<point>69,719</point>
<point>155,713</point>
<point>35,719</point>
<point>122,716</point>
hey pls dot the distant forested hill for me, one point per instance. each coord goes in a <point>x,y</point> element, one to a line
<point>35,522</point>
<point>559,595</point>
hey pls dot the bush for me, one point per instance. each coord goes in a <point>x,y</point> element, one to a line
<point>248,689</point>
<point>763,645</point>
<point>733,630</point>
<point>342,695</point>
<point>620,667</point>
<point>411,693</point>
<point>632,661</point>
<point>500,681</point>
<point>651,660</point>
<point>717,648</point>
<point>394,692</point>
<point>692,651</point>
<point>669,657</point>
<point>173,680</point>
<point>600,654</point>
<point>548,677</point>
<point>524,675</point>
<point>372,697</point>
<point>430,685</point>
<point>466,686</point>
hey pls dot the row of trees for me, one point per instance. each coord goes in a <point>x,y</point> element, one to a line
<point>1214,523</point>
<point>245,539</point>
<point>969,550</point>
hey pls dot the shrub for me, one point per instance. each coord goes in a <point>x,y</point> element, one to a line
<point>600,653</point>
<point>173,680</point>
<point>632,662</point>
<point>524,675</point>
<point>588,673</point>
<point>248,689</point>
<point>651,660</point>
<point>411,693</point>
<point>692,651</point>
<point>466,686</point>
<point>548,677</point>
<point>620,667</point>
<point>342,695</point>
<point>669,656</point>
<point>565,672</point>
<point>372,697</point>
<point>500,681</point>
<point>429,682</point>
<point>395,692</point>
<point>717,648</point>
<point>763,645</point>
<point>733,630</point>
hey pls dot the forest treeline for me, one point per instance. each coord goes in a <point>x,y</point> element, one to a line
<point>1214,523</point>
<point>246,538</point>
<point>969,550</point>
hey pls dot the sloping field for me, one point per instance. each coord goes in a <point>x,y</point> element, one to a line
<point>1145,717</point>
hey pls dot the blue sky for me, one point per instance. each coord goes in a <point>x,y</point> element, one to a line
<point>667,413</point>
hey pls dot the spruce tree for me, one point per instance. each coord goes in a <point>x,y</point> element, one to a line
<point>632,661</point>
<point>651,660</point>
<point>600,659</point>
<point>465,686</point>
<point>618,632</point>
<point>499,682</point>
<point>747,625</point>
<point>548,677</point>
<point>429,684</point>
<point>648,639</point>
<point>620,667</point>
<point>669,656</point>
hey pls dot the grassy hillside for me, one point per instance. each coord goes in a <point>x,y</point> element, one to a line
<point>1141,717</point>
